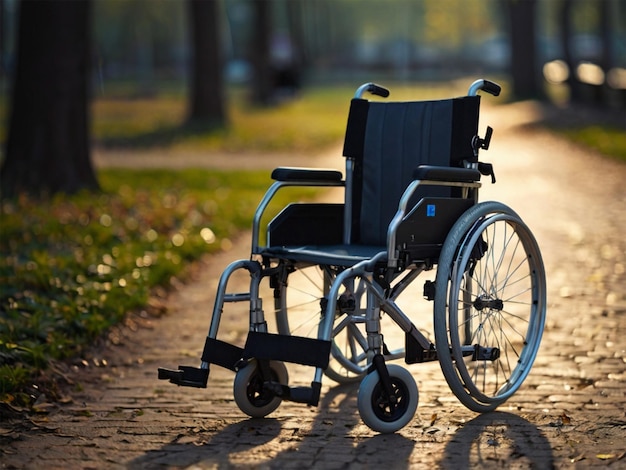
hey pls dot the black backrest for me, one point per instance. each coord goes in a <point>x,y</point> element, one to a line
<point>388,140</point>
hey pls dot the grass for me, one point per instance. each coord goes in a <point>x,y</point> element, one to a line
<point>599,129</point>
<point>302,125</point>
<point>610,141</point>
<point>73,266</point>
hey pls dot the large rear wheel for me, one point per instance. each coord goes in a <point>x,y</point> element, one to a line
<point>490,305</point>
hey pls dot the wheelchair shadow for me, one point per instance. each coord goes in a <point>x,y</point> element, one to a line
<point>249,443</point>
<point>498,440</point>
<point>211,449</point>
<point>491,440</point>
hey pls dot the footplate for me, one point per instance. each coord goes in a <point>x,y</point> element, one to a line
<point>186,376</point>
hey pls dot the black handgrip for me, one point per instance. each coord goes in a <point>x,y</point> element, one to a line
<point>373,89</point>
<point>378,90</point>
<point>480,85</point>
<point>491,88</point>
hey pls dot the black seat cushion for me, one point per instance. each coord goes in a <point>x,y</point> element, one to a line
<point>330,255</point>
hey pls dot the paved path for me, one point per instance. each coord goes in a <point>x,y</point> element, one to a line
<point>570,413</point>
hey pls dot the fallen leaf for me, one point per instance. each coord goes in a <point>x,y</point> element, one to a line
<point>43,408</point>
<point>433,418</point>
<point>578,458</point>
<point>605,456</point>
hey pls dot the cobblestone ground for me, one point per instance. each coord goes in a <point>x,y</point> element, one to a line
<point>568,414</point>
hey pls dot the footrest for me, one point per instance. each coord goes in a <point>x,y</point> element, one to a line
<point>294,349</point>
<point>186,376</point>
<point>309,395</point>
<point>221,353</point>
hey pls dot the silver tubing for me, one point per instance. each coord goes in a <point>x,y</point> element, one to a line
<point>364,270</point>
<point>221,293</point>
<point>360,269</point>
<point>319,374</point>
<point>256,221</point>
<point>347,206</point>
<point>404,322</point>
<point>403,283</point>
<point>392,256</point>
<point>257,315</point>
<point>269,195</point>
<point>476,87</point>
<point>376,295</point>
<point>362,89</point>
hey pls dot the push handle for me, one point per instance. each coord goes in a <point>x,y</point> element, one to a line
<point>373,89</point>
<point>490,87</point>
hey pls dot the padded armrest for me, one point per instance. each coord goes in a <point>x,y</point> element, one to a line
<point>305,174</point>
<point>443,173</point>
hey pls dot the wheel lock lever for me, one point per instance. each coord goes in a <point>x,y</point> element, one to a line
<point>479,143</point>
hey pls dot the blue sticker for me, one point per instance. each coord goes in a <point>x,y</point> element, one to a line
<point>430,210</point>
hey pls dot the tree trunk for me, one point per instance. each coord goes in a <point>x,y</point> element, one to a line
<point>2,43</point>
<point>260,52</point>
<point>296,30</point>
<point>522,24</point>
<point>48,141</point>
<point>207,85</point>
<point>606,33</point>
<point>565,20</point>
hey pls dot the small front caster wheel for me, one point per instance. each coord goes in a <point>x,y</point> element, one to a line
<point>381,413</point>
<point>250,395</point>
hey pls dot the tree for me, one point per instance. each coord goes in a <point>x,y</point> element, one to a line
<point>206,102</point>
<point>262,86</point>
<point>47,147</point>
<point>522,27</point>
<point>565,22</point>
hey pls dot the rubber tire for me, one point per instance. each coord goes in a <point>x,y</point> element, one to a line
<point>377,417</point>
<point>247,385</point>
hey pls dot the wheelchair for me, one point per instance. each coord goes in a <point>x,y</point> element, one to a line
<point>410,205</point>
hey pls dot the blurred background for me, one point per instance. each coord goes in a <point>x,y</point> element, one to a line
<point>148,45</point>
<point>66,61</point>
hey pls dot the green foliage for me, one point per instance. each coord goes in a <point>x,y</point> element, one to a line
<point>607,140</point>
<point>312,121</point>
<point>73,266</point>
